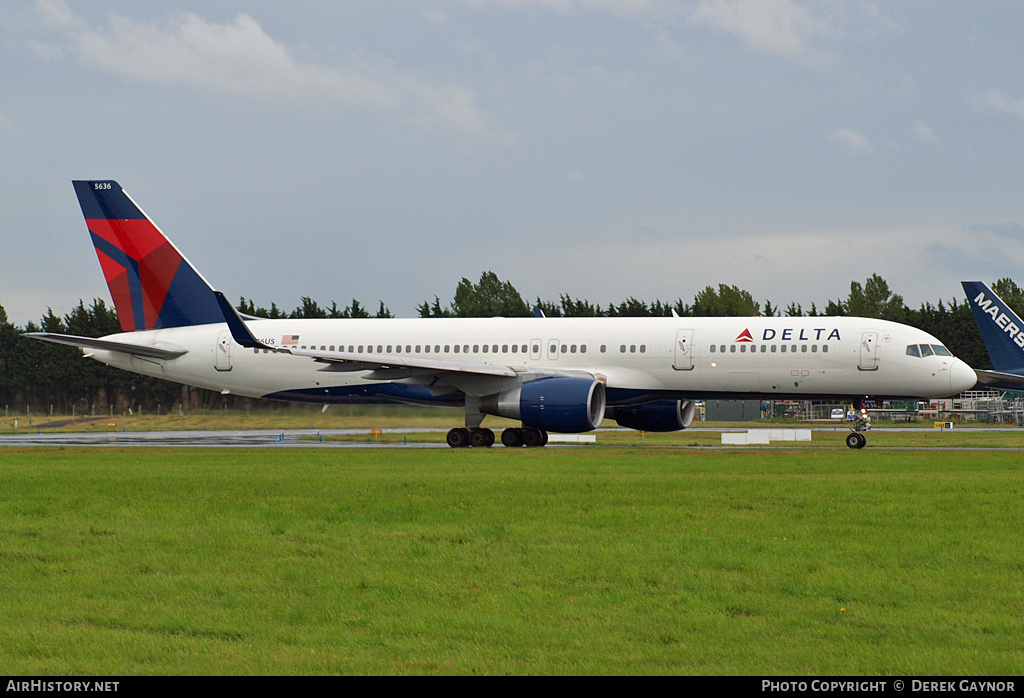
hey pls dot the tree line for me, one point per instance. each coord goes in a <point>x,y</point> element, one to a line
<point>38,376</point>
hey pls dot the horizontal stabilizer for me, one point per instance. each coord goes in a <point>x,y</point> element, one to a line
<point>1000,381</point>
<point>148,350</point>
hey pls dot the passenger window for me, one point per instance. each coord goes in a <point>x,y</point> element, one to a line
<point>351,349</point>
<point>643,348</point>
<point>332,347</point>
<point>712,348</point>
<point>465,348</point>
<point>632,348</point>
<point>773,348</point>
<point>583,348</point>
<point>604,347</point>
<point>732,348</point>
<point>814,348</point>
<point>417,348</point>
<point>722,349</point>
<point>537,348</point>
<point>457,347</point>
<point>360,348</point>
<point>426,349</point>
<point>504,348</point>
<point>447,348</point>
<point>824,349</point>
<point>389,349</point>
<point>803,348</point>
<point>515,348</point>
<point>437,348</point>
<point>783,348</point>
<point>564,349</point>
<point>743,348</point>
<point>622,348</point>
<point>486,349</point>
<point>494,349</point>
<point>572,349</point>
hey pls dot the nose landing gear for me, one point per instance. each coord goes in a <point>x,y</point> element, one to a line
<point>861,423</point>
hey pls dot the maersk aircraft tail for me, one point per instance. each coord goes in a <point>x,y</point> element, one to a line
<point>1003,333</point>
<point>550,374</point>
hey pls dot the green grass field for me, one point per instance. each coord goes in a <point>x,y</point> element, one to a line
<point>597,561</point>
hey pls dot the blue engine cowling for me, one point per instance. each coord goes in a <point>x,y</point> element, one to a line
<point>663,415</point>
<point>559,404</point>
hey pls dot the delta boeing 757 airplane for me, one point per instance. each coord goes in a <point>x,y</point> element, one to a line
<point>551,374</point>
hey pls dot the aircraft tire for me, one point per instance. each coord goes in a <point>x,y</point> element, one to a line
<point>534,438</point>
<point>458,438</point>
<point>512,437</point>
<point>481,438</point>
<point>856,440</point>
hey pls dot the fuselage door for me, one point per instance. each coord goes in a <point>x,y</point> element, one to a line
<point>222,352</point>
<point>868,351</point>
<point>683,360</point>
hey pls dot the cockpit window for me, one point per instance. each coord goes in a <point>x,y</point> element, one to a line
<point>920,350</point>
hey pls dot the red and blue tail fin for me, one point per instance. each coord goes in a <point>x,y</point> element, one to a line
<point>152,284</point>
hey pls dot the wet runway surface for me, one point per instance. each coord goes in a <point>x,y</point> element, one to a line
<point>305,438</point>
<point>288,438</point>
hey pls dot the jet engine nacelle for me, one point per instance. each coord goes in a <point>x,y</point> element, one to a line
<point>663,415</point>
<point>560,404</point>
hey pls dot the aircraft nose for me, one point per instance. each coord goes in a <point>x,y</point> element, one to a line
<point>961,377</point>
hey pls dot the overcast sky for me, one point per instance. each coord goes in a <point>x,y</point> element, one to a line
<point>600,148</point>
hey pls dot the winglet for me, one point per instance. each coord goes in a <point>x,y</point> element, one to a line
<point>239,331</point>
<point>1001,329</point>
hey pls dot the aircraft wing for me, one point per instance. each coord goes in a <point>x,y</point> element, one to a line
<point>471,378</point>
<point>345,361</point>
<point>153,351</point>
<point>1000,380</point>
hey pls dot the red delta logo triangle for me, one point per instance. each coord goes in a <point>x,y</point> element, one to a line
<point>744,336</point>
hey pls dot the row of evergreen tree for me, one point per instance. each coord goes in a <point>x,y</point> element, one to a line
<point>38,377</point>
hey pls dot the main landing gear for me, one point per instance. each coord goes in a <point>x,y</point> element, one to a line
<point>484,438</point>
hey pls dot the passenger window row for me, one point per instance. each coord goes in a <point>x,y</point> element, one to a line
<point>774,348</point>
<point>452,348</point>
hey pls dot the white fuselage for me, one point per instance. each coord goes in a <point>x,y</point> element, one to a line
<point>639,359</point>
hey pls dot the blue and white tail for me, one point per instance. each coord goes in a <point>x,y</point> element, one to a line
<point>150,281</point>
<point>1001,329</point>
